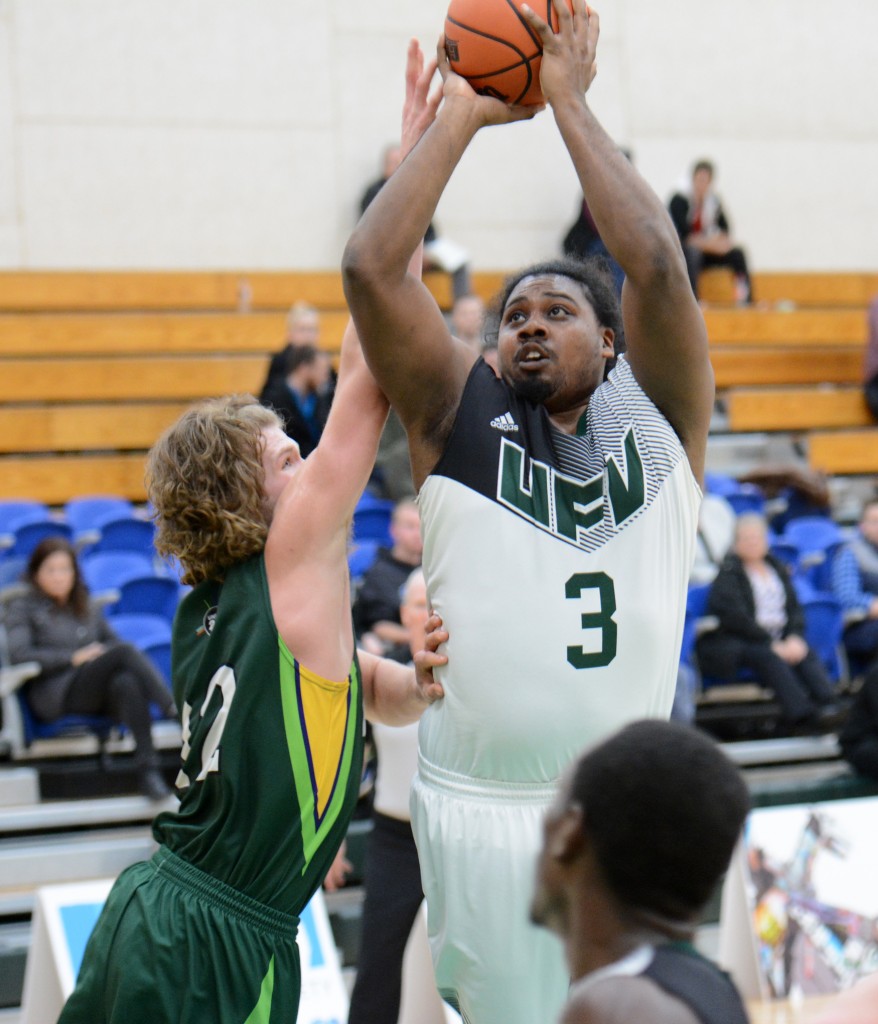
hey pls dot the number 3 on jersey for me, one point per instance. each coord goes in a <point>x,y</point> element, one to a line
<point>603,620</point>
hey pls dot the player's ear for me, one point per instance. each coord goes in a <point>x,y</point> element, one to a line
<point>567,837</point>
<point>608,340</point>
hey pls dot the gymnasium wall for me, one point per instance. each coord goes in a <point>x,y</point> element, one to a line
<point>240,133</point>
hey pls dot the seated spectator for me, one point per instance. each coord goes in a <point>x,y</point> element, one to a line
<point>85,668</point>
<point>392,872</point>
<point>302,328</point>
<point>761,627</point>
<point>858,738</point>
<point>302,396</point>
<point>626,909</point>
<point>855,585</point>
<point>376,607</point>
<point>870,367</point>
<point>705,234</point>
<point>439,253</point>
<point>468,321</point>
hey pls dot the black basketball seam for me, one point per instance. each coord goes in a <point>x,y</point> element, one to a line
<point>525,60</point>
<point>516,10</point>
<point>494,39</point>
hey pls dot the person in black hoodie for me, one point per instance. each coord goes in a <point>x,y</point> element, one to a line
<point>761,628</point>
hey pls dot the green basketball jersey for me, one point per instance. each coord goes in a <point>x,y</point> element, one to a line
<point>272,753</point>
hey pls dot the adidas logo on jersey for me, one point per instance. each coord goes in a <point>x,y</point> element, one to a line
<point>505,423</point>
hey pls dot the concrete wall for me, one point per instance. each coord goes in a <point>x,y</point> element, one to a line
<point>240,133</point>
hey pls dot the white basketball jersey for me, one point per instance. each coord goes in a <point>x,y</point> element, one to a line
<point>559,566</point>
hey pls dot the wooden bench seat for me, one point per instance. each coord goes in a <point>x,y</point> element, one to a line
<point>142,291</point>
<point>55,479</point>
<point>739,366</point>
<point>125,426</point>
<point>823,328</point>
<point>796,408</point>
<point>83,334</point>
<point>844,451</point>
<point>811,289</point>
<point>119,378</point>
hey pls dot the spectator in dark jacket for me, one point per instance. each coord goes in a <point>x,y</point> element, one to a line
<point>85,668</point>
<point>302,396</point>
<point>705,234</point>
<point>761,628</point>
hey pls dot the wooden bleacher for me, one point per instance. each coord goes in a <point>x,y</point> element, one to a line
<point>797,368</point>
<point>93,365</point>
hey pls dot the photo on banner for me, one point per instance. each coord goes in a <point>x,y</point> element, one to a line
<point>812,898</point>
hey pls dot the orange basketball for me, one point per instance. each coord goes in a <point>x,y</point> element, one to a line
<point>491,44</point>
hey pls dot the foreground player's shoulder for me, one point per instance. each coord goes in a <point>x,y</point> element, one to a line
<point>620,1000</point>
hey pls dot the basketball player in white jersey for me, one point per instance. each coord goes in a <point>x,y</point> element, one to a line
<point>558,506</point>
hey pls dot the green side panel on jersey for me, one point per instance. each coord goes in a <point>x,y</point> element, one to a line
<point>261,1013</point>
<point>298,745</point>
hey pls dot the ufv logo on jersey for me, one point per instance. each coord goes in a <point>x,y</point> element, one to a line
<point>564,505</point>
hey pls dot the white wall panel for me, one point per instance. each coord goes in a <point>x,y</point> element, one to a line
<point>196,132</point>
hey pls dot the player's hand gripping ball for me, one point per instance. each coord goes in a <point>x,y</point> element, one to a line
<point>492,46</point>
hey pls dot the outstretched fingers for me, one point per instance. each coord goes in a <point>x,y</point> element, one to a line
<point>419,109</point>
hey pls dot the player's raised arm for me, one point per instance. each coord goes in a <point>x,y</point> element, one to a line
<point>407,343</point>
<point>664,328</point>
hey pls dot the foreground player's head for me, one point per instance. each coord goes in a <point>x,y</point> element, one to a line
<point>559,329</point>
<point>646,821</point>
<point>211,489</point>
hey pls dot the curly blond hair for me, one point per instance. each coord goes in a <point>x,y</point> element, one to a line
<point>205,479</point>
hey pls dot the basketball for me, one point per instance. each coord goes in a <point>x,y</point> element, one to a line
<point>491,44</point>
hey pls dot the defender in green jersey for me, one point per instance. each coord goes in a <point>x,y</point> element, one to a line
<point>272,697</point>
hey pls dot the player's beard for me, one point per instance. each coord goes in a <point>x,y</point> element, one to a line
<point>533,389</point>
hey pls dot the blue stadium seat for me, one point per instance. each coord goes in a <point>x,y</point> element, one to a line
<point>141,629</point>
<point>160,655</point>
<point>68,725</point>
<point>816,539</point>
<point>22,539</point>
<point>91,511</point>
<point>824,624</point>
<point>17,512</point>
<point>360,558</point>
<point>746,498</point>
<point>11,570</point>
<point>125,533</point>
<point>147,594</point>
<point>372,519</point>
<point>108,570</point>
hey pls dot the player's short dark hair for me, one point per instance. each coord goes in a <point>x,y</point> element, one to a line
<point>703,165</point>
<point>663,808</point>
<point>596,279</point>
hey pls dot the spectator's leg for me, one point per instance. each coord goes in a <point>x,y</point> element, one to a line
<point>736,259</point>
<point>813,675</point>
<point>393,897</point>
<point>774,673</point>
<point>104,686</point>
